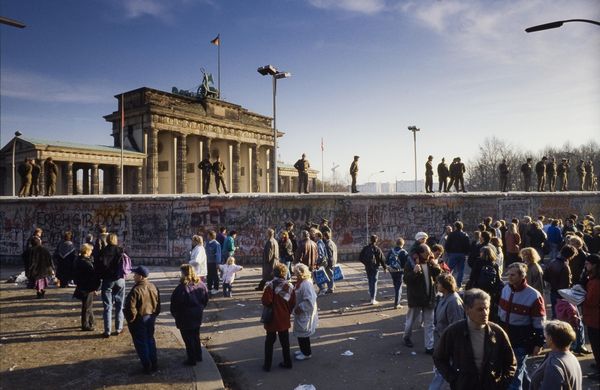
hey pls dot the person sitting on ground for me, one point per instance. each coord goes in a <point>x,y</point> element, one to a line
<point>280,296</point>
<point>560,369</point>
<point>306,318</point>
<point>228,272</point>
<point>188,301</point>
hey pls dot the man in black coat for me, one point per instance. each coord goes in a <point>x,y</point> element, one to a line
<point>527,170</point>
<point>540,171</point>
<point>443,173</point>
<point>206,168</point>
<point>503,171</point>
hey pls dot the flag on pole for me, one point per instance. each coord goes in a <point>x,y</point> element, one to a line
<point>217,40</point>
<point>322,146</point>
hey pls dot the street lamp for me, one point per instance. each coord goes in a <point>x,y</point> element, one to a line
<point>414,129</point>
<point>11,22</point>
<point>270,70</point>
<point>14,147</point>
<point>557,24</point>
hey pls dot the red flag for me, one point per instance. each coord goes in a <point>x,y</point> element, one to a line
<point>217,40</point>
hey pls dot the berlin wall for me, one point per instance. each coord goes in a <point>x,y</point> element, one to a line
<point>158,229</point>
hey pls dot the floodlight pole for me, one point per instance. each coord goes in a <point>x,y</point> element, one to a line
<point>414,129</point>
<point>14,147</point>
<point>557,24</point>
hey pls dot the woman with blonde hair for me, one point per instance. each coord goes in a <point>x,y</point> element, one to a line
<point>88,283</point>
<point>305,313</point>
<point>188,301</point>
<point>535,274</point>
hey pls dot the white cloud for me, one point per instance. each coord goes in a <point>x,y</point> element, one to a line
<point>37,87</point>
<point>368,7</point>
<point>159,9</point>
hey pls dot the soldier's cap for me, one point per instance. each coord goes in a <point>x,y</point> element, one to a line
<point>324,220</point>
<point>421,235</point>
<point>303,155</point>
<point>141,270</point>
<point>528,158</point>
<point>544,158</point>
<point>564,159</point>
<point>430,156</point>
<point>356,156</point>
<point>289,223</point>
<point>581,160</point>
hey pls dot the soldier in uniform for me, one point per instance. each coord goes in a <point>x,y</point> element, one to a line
<point>527,170</point>
<point>503,170</point>
<point>563,173</point>
<point>443,173</point>
<point>540,171</point>
<point>551,173</point>
<point>35,179</point>
<point>302,167</point>
<point>206,168</point>
<point>353,174</point>
<point>580,168</point>
<point>429,175</point>
<point>219,170</point>
<point>460,171</point>
<point>51,172</point>
<point>25,169</point>
<point>452,173</point>
<point>589,176</point>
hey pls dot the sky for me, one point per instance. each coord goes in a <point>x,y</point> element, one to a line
<point>362,72</point>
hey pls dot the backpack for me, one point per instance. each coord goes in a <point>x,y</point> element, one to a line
<point>487,279</point>
<point>124,266</point>
<point>396,260</point>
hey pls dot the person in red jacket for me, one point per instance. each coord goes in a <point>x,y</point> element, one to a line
<point>591,309</point>
<point>279,295</point>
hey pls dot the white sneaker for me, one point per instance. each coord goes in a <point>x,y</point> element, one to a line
<point>213,291</point>
<point>374,302</point>
<point>296,353</point>
<point>302,356</point>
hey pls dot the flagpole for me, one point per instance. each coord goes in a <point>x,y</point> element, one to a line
<point>122,127</point>
<point>322,166</point>
<point>219,65</point>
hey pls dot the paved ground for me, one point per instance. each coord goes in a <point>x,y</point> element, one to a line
<point>42,336</point>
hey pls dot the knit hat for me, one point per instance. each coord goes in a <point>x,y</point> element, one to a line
<point>421,235</point>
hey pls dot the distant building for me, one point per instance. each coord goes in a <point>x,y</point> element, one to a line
<point>165,136</point>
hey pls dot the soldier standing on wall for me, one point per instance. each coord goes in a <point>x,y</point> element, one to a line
<point>353,174</point>
<point>580,168</point>
<point>51,172</point>
<point>443,174</point>
<point>551,173</point>
<point>429,175</point>
<point>452,174</point>
<point>540,171</point>
<point>459,175</point>
<point>25,173</point>
<point>589,176</point>
<point>206,168</point>
<point>527,171</point>
<point>503,170</point>
<point>35,179</point>
<point>563,172</point>
<point>219,170</point>
<point>302,167</point>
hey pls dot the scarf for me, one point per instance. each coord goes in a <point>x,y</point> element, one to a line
<point>283,288</point>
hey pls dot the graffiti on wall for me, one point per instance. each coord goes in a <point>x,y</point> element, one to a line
<point>161,228</point>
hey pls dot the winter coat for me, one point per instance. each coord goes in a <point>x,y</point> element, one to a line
<point>306,318</point>
<point>187,305</point>
<point>198,260</point>
<point>448,310</point>
<point>279,294</point>
<point>85,276</point>
<point>416,290</point>
<point>270,256</point>
<point>107,264</point>
<point>64,258</point>
<point>454,358</point>
<point>535,277</point>
<point>307,253</point>
<point>40,263</point>
<point>591,309</point>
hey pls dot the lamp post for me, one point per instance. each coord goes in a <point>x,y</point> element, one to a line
<point>14,147</point>
<point>11,22</point>
<point>557,24</point>
<point>414,129</point>
<point>270,70</point>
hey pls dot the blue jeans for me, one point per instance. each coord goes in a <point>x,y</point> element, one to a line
<point>520,376</point>
<point>113,292</point>
<point>456,262</point>
<point>397,280</point>
<point>142,333</point>
<point>226,290</point>
<point>438,382</point>
<point>579,332</point>
<point>372,277</point>
<point>213,276</point>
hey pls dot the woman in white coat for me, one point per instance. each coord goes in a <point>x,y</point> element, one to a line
<point>198,257</point>
<point>305,312</point>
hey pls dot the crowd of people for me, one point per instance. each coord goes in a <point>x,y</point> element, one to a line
<point>480,298</point>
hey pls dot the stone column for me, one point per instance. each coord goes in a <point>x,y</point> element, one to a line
<point>138,180</point>
<point>95,180</point>
<point>235,164</point>
<point>152,163</point>
<point>117,180</point>
<point>42,178</point>
<point>254,168</point>
<point>85,185</point>
<point>181,160</point>
<point>70,178</point>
